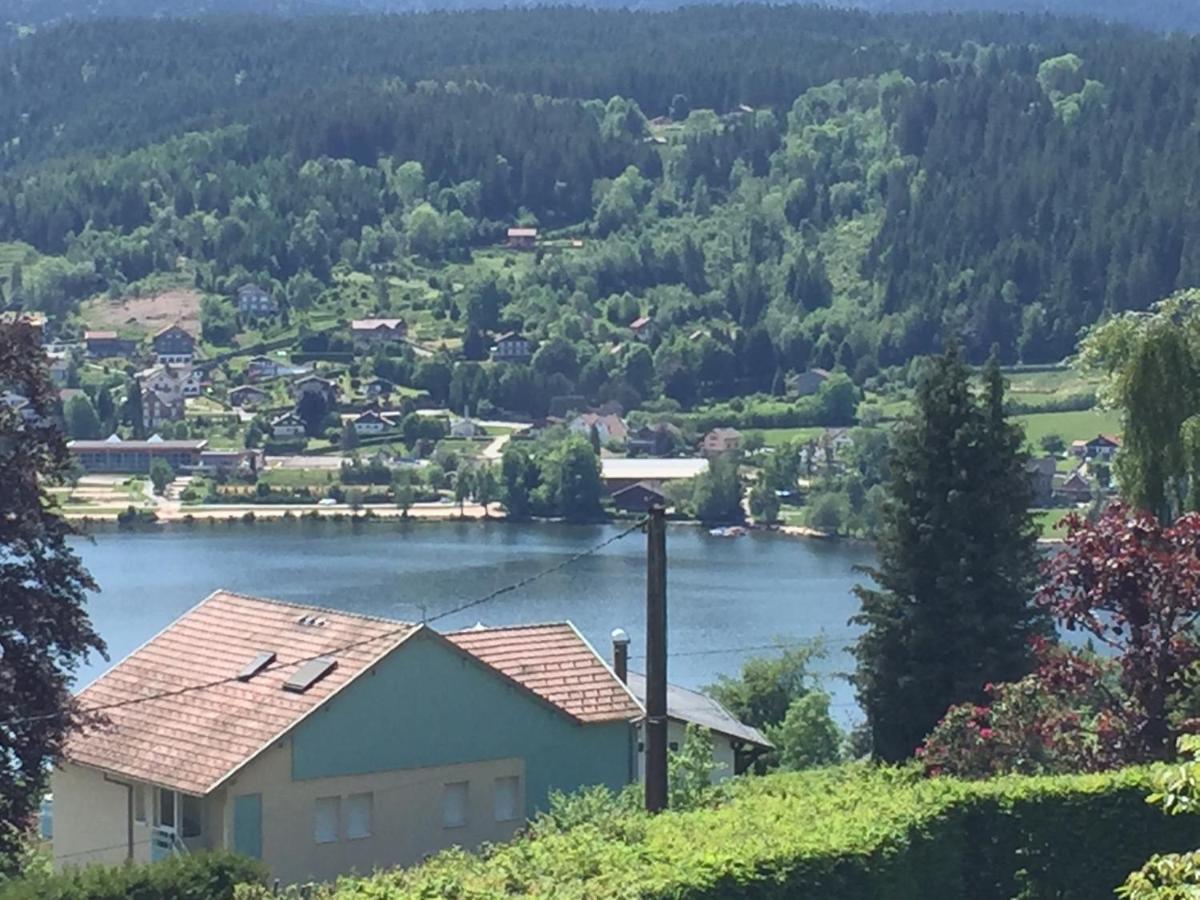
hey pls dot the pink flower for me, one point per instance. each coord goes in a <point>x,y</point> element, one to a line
<point>985,733</point>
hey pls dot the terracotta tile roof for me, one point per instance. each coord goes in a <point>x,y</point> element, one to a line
<point>555,662</point>
<point>193,741</point>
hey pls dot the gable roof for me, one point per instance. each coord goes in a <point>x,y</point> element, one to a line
<point>1104,440</point>
<point>194,741</point>
<point>699,709</point>
<point>376,324</point>
<point>175,327</point>
<point>640,487</point>
<point>555,662</point>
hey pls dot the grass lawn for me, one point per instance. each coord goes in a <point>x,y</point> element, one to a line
<point>1048,520</point>
<point>298,478</point>
<point>1071,426</point>
<point>776,437</point>
<point>13,253</point>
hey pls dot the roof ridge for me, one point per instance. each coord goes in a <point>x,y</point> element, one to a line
<point>309,606</point>
<point>524,626</point>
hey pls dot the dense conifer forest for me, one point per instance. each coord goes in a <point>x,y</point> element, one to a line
<point>779,188</point>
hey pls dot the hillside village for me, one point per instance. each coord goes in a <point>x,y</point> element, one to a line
<point>275,429</point>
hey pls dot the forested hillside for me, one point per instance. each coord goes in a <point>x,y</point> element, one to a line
<point>1164,15</point>
<point>777,188</point>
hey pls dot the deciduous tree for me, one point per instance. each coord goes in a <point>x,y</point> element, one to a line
<point>44,629</point>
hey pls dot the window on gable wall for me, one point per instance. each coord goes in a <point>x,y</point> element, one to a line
<point>505,798</point>
<point>359,809</point>
<point>327,815</point>
<point>454,804</point>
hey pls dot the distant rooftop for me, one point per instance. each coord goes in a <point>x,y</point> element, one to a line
<point>653,469</point>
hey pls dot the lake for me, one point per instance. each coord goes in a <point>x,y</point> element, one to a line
<point>728,598</point>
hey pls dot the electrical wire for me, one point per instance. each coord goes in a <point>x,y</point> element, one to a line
<point>387,635</point>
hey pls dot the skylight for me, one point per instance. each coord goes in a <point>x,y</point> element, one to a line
<point>256,665</point>
<point>309,674</point>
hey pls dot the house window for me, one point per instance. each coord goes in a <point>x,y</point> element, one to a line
<point>191,815</point>
<point>164,814</point>
<point>505,802</point>
<point>139,803</point>
<point>327,819</point>
<point>454,805</point>
<point>358,815</point>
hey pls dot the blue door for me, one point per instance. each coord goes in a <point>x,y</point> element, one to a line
<point>247,825</point>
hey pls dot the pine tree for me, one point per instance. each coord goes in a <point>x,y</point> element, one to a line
<point>957,562</point>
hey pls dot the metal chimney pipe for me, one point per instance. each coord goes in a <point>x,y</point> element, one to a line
<point>620,642</point>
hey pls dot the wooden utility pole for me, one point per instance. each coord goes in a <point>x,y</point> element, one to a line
<point>656,660</point>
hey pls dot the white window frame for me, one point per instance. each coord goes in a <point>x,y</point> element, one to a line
<point>322,833</point>
<point>452,817</point>
<point>360,815</point>
<point>506,808</point>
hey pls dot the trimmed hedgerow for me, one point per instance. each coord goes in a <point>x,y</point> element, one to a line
<point>850,832</point>
<point>201,876</point>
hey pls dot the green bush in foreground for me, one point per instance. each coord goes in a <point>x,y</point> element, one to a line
<point>848,832</point>
<point>201,876</point>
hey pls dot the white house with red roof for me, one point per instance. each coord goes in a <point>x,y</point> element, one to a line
<point>324,742</point>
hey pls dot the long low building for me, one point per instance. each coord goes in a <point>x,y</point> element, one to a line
<point>622,473</point>
<point>116,455</point>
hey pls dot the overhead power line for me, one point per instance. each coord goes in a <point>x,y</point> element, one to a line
<point>395,632</point>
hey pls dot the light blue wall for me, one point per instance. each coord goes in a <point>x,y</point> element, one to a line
<point>247,825</point>
<point>429,705</point>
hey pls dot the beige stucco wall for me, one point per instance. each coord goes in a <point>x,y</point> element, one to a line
<point>724,757</point>
<point>406,818</point>
<point>91,819</point>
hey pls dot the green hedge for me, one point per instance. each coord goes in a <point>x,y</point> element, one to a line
<point>201,876</point>
<point>845,833</point>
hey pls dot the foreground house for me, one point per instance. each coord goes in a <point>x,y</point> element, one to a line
<point>522,238</point>
<point>618,473</point>
<point>610,427</point>
<point>735,745</point>
<point>640,498</point>
<point>247,396</point>
<point>326,742</point>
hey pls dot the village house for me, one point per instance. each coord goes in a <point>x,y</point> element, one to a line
<point>643,329</point>
<point>263,368</point>
<point>174,346</point>
<point>289,425</point>
<point>610,427</point>
<point>116,455</point>
<point>369,422</point>
<point>1041,474</point>
<point>639,497</point>
<point>720,441</point>
<point>735,744</point>
<point>620,472</point>
<point>247,396</point>
<point>464,427</point>
<point>837,441</point>
<point>378,387</point>
<point>522,238</point>
<point>808,382</point>
<point>255,300</point>
<point>310,384</point>
<point>1077,489</point>
<point>160,407</point>
<point>1102,447</point>
<point>371,332</point>
<point>231,461</point>
<point>106,345</point>
<point>329,742</point>
<point>59,365</point>
<point>512,346</point>
<point>654,440</point>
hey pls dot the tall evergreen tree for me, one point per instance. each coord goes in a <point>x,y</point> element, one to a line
<point>44,629</point>
<point>952,609</point>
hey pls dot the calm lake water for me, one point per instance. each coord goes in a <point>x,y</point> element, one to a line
<point>727,598</point>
